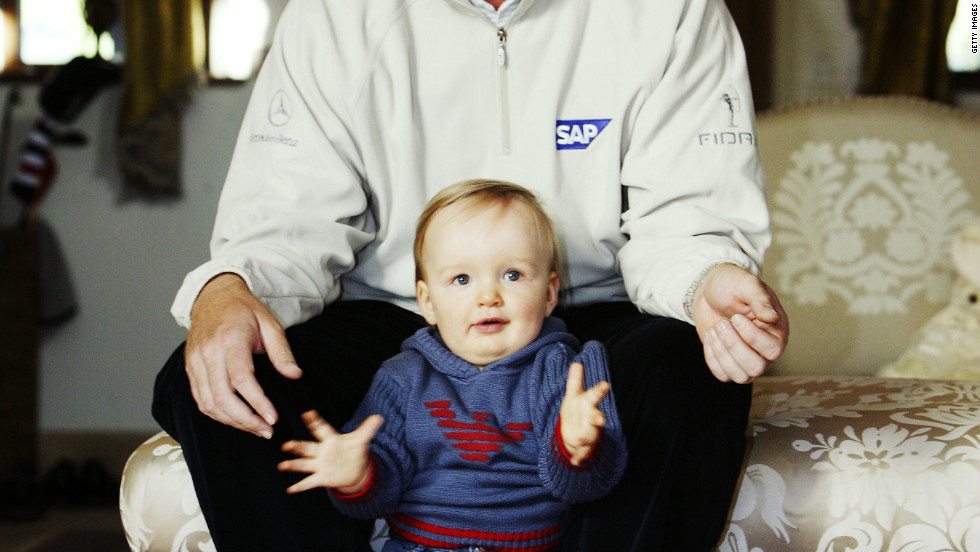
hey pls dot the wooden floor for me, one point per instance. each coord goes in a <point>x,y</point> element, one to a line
<point>56,524</point>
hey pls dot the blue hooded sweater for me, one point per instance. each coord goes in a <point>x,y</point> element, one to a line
<point>471,457</point>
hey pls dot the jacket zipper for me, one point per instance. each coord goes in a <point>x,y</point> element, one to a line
<point>504,97</point>
<point>501,59</point>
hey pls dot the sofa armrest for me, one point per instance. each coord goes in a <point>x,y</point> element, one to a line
<point>157,503</point>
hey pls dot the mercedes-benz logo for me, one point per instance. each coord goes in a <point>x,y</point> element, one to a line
<point>280,110</point>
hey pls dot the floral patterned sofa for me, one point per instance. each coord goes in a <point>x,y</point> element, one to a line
<point>866,194</point>
<point>860,464</point>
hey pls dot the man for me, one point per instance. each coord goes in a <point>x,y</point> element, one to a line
<point>633,122</point>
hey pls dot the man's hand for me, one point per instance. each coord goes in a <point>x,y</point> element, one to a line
<point>581,419</point>
<point>335,460</point>
<point>228,325</point>
<point>743,327</point>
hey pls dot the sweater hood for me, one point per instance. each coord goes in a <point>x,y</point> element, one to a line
<point>428,342</point>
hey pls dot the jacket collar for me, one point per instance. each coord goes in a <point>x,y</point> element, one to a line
<point>523,7</point>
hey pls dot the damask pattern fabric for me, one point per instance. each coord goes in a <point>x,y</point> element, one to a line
<point>157,501</point>
<point>868,220</point>
<point>860,464</point>
<point>866,194</point>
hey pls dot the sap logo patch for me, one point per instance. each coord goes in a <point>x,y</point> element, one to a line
<point>578,134</point>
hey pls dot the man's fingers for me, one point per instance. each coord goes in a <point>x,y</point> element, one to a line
<point>742,324</point>
<point>201,391</point>
<point>230,410</point>
<point>277,347</point>
<point>228,325</point>
<point>748,361</point>
<point>245,384</point>
<point>216,398</point>
<point>765,327</point>
<point>768,341</point>
<point>725,367</point>
<point>193,375</point>
<point>733,356</point>
<point>238,396</point>
<point>714,364</point>
<point>765,305</point>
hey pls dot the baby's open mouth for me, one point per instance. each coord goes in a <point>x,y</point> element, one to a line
<point>491,323</point>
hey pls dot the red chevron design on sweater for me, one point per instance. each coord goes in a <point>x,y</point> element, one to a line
<point>477,439</point>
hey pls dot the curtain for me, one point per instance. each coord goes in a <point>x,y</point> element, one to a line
<point>165,54</point>
<point>904,46</point>
<point>754,21</point>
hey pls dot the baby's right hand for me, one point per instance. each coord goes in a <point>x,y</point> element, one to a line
<point>581,419</point>
<point>338,461</point>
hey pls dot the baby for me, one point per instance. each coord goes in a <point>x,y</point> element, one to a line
<point>481,431</point>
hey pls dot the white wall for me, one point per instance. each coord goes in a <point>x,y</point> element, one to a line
<point>126,260</point>
<point>816,50</point>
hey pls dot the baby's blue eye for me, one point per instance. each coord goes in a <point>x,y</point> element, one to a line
<point>512,275</point>
<point>462,279</point>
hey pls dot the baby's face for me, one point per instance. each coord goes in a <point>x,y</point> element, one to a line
<point>488,283</point>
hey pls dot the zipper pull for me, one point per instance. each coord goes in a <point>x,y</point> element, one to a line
<point>501,47</point>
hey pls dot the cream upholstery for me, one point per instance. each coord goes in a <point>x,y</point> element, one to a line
<point>866,194</point>
<point>157,503</point>
<point>861,464</point>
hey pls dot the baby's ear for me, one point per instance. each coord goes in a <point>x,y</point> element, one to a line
<point>554,284</point>
<point>424,300</point>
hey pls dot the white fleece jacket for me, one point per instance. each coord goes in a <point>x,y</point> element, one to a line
<point>631,119</point>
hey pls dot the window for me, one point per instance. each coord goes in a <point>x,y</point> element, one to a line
<point>38,34</point>
<point>238,34</point>
<point>962,55</point>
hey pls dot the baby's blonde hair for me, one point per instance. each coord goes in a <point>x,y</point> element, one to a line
<point>487,193</point>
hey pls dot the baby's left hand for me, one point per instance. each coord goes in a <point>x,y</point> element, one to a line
<point>581,419</point>
<point>335,460</point>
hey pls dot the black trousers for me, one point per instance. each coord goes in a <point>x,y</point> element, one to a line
<point>685,431</point>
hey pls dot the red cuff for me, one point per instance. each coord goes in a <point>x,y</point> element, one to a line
<point>364,494</point>
<point>558,447</point>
